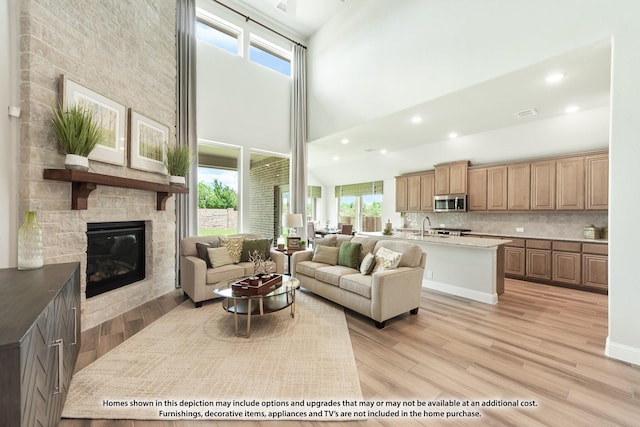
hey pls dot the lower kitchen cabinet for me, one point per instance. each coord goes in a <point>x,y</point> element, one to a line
<point>539,264</point>
<point>595,271</point>
<point>514,258</point>
<point>514,261</point>
<point>567,263</point>
<point>39,342</point>
<point>566,268</point>
<point>595,266</point>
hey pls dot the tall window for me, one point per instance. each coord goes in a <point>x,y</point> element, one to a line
<point>360,205</point>
<point>314,193</point>
<point>217,189</point>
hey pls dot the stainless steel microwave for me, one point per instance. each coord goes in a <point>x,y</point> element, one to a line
<point>450,203</point>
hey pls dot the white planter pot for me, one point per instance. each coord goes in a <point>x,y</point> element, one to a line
<point>73,161</point>
<point>176,180</point>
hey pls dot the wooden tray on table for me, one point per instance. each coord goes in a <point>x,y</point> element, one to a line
<point>257,285</point>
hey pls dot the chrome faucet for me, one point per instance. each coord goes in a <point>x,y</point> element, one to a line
<point>422,229</point>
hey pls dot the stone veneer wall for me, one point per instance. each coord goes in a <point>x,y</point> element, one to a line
<point>126,51</point>
<point>265,177</point>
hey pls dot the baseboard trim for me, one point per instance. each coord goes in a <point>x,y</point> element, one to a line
<point>461,292</point>
<point>622,352</point>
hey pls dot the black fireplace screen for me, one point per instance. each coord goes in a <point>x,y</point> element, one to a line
<point>115,255</point>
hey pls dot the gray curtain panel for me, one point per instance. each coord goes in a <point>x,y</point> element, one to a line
<point>298,178</point>
<point>186,204</point>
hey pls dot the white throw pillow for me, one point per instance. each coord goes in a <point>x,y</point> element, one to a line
<point>219,257</point>
<point>368,263</point>
<point>386,259</point>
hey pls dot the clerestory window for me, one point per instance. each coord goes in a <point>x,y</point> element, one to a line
<point>219,33</point>
<point>269,55</point>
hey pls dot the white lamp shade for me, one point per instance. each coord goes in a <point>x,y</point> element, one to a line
<point>292,220</point>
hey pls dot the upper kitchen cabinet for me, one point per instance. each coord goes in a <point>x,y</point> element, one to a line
<point>477,189</point>
<point>451,178</point>
<point>427,191</point>
<point>543,185</point>
<point>597,181</point>
<point>570,180</point>
<point>518,187</point>
<point>402,203</point>
<point>497,188</point>
<point>413,193</point>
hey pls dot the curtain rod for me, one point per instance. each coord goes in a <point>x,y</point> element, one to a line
<point>248,18</point>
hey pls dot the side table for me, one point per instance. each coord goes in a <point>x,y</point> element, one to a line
<point>288,252</point>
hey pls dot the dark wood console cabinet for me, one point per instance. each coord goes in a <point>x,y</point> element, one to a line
<point>39,342</point>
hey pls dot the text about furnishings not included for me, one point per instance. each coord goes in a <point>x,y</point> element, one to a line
<point>319,409</point>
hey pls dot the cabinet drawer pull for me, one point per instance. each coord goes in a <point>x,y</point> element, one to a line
<point>75,326</point>
<point>59,343</point>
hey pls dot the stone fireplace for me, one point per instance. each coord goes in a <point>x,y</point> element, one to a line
<point>125,51</point>
<point>66,239</point>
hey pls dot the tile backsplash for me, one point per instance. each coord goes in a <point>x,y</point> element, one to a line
<point>559,225</point>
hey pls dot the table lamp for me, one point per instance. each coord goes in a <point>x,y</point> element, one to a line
<point>292,221</point>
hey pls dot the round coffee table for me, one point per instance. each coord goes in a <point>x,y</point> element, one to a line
<point>280,298</point>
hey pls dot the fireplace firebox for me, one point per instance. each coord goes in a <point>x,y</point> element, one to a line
<point>115,255</point>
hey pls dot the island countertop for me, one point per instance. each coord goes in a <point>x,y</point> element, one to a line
<point>440,239</point>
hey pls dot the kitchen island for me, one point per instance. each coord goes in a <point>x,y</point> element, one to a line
<point>470,267</point>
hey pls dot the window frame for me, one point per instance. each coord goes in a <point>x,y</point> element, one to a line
<point>218,24</point>
<point>270,48</point>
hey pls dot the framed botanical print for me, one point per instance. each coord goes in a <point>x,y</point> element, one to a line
<point>109,115</point>
<point>147,143</point>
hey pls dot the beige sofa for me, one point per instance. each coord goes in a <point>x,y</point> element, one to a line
<point>380,295</point>
<point>198,281</point>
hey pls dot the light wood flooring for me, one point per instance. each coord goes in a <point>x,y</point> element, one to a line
<point>539,343</point>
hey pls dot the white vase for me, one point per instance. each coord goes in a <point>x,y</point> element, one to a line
<point>176,180</point>
<point>73,161</point>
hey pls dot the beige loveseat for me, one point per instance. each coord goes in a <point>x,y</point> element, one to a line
<point>198,281</point>
<point>379,295</point>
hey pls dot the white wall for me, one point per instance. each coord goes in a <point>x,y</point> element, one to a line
<point>9,127</point>
<point>240,102</point>
<point>379,57</point>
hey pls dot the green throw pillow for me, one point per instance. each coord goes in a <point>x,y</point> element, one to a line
<point>349,254</point>
<point>263,246</point>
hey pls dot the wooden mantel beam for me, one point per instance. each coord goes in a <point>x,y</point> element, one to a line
<point>83,183</point>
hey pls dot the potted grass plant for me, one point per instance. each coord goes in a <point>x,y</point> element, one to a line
<point>178,163</point>
<point>77,133</point>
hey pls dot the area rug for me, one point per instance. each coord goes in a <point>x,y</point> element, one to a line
<point>189,365</point>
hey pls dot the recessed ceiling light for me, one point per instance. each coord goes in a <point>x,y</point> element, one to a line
<point>344,141</point>
<point>554,78</point>
<point>453,135</point>
<point>416,119</point>
<point>571,109</point>
<point>336,158</point>
<point>383,151</point>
